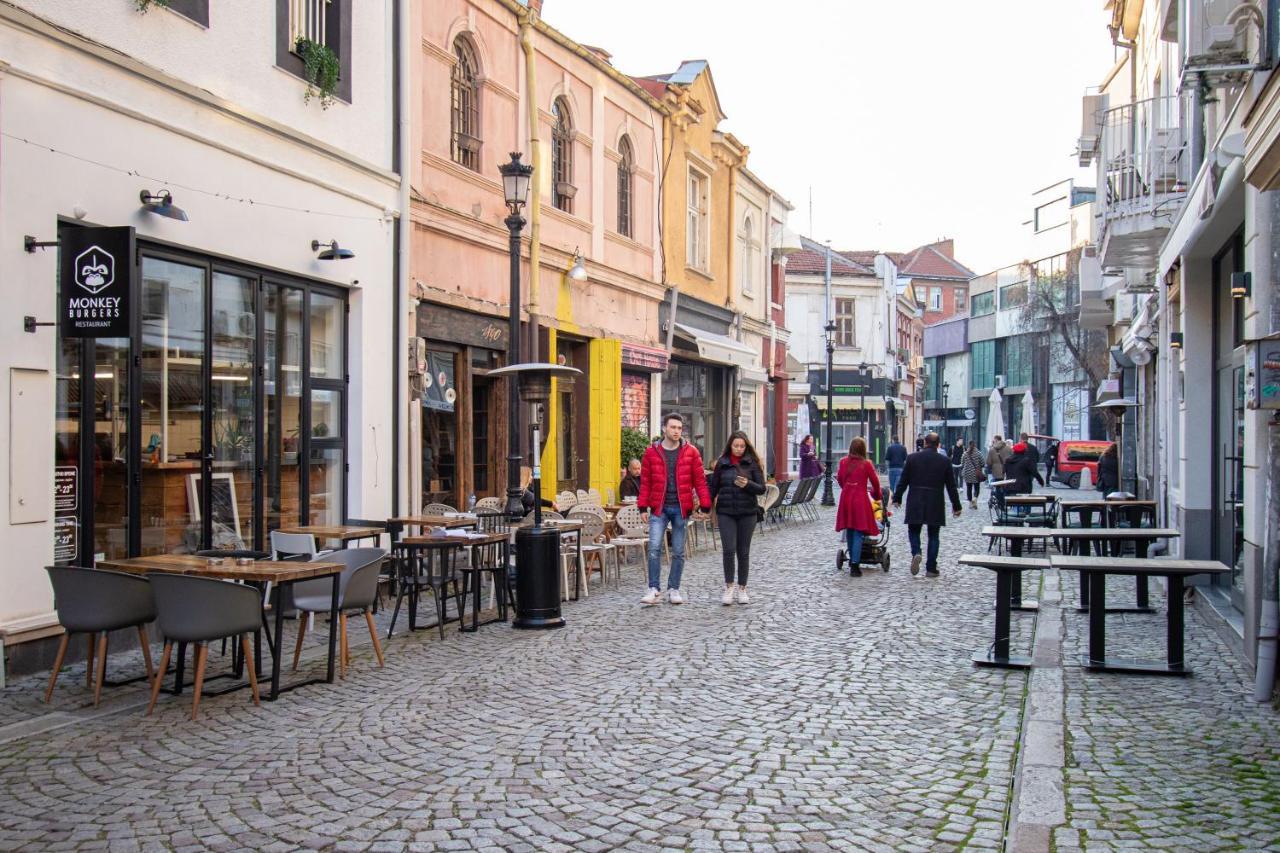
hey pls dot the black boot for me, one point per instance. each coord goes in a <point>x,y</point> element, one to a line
<point>840,558</point>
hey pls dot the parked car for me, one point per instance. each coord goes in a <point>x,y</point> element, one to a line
<point>1074,457</point>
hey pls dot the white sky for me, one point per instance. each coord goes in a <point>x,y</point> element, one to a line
<point>911,120</point>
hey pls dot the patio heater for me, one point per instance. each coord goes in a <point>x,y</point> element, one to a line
<point>537,547</point>
<point>1118,408</point>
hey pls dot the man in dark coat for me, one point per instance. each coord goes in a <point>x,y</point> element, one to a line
<point>1021,466</point>
<point>926,474</point>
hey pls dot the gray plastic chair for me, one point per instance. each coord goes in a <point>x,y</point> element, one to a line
<point>357,590</point>
<point>197,610</point>
<point>95,602</point>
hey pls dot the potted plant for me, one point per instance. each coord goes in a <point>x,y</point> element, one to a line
<point>231,439</point>
<point>566,189</point>
<point>144,6</point>
<point>320,68</point>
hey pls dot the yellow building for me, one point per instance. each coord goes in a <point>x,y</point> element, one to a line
<point>700,170</point>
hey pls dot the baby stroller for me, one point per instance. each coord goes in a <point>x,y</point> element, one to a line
<point>875,549</point>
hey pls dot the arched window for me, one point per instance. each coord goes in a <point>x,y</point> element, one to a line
<point>626,165</point>
<point>465,116</point>
<point>748,248</point>
<point>562,156</point>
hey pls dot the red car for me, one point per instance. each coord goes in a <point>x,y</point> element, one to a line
<point>1074,457</point>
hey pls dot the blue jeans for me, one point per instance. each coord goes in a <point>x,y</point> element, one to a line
<point>913,536</point>
<point>895,474</point>
<point>658,522</point>
<point>853,543</point>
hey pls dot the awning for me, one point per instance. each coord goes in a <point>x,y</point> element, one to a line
<point>933,424</point>
<point>797,389</point>
<point>961,422</point>
<point>839,402</point>
<point>752,376</point>
<point>721,348</point>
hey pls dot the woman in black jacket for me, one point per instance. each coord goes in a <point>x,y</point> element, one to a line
<point>1109,471</point>
<point>735,483</point>
<point>1021,467</point>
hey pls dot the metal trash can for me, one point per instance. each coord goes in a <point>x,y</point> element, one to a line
<point>538,578</point>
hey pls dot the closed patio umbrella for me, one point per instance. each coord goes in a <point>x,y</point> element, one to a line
<point>995,415</point>
<point>1028,414</point>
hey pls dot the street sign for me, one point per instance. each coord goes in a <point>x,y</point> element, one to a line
<point>95,282</point>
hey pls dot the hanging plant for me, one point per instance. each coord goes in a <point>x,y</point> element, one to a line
<point>144,6</point>
<point>320,68</point>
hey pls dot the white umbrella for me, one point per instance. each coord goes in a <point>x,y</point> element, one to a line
<point>995,415</point>
<point>1028,414</point>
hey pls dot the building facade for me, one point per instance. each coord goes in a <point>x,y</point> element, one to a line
<point>236,384</point>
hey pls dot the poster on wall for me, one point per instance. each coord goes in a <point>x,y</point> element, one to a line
<point>65,539</point>
<point>95,282</point>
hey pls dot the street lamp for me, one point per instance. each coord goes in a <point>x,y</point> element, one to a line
<point>862,404</point>
<point>828,496</point>
<point>946,404</point>
<point>515,189</point>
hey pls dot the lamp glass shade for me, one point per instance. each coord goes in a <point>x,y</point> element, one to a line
<point>578,272</point>
<point>515,180</point>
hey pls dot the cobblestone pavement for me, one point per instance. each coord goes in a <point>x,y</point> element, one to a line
<point>830,712</point>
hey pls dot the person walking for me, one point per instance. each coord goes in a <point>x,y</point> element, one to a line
<point>1050,461</point>
<point>855,516</point>
<point>928,480</point>
<point>1032,451</point>
<point>809,464</point>
<point>1109,470</point>
<point>670,473</point>
<point>1021,466</point>
<point>895,456</point>
<point>996,457</point>
<point>957,456</point>
<point>736,482</point>
<point>971,473</point>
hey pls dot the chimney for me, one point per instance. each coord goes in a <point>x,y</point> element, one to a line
<point>946,247</point>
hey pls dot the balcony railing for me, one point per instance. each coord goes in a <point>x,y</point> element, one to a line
<point>307,20</point>
<point>1144,167</point>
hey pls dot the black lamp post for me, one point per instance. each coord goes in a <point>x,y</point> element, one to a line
<point>862,405</point>
<point>946,406</point>
<point>828,496</point>
<point>537,547</point>
<point>515,188</point>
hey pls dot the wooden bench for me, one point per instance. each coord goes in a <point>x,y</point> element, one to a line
<point>1007,569</point>
<point>1095,571</point>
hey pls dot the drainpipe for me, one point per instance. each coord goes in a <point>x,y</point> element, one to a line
<point>535,186</point>
<point>401,251</point>
<point>1269,617</point>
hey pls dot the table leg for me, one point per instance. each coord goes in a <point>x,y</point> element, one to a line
<point>1141,547</point>
<point>1084,590</point>
<point>1015,546</point>
<point>1003,591</point>
<point>1097,617</point>
<point>333,628</point>
<point>1175,636</point>
<point>278,630</point>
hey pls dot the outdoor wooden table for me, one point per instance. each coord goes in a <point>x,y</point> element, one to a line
<point>1007,569</point>
<point>1000,484</point>
<point>278,573</point>
<point>344,533</point>
<point>1016,536</point>
<point>1096,570</point>
<point>1028,500</point>
<point>448,522</point>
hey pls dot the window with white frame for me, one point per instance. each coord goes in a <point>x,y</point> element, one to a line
<point>935,299</point>
<point>327,23</point>
<point>748,252</point>
<point>961,299</point>
<point>696,235</point>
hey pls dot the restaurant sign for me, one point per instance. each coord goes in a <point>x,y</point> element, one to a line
<point>95,282</point>
<point>440,323</point>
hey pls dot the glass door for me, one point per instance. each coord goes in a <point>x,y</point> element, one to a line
<point>232,354</point>
<point>282,339</point>
<point>177,461</point>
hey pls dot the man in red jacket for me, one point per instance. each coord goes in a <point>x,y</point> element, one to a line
<point>671,471</point>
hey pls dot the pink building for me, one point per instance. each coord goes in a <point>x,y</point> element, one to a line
<point>492,78</point>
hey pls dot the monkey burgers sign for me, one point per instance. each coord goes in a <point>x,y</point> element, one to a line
<point>96,281</point>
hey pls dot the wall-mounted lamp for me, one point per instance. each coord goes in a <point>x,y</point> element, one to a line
<point>1241,285</point>
<point>1175,340</point>
<point>331,251</point>
<point>161,204</point>
<point>577,272</point>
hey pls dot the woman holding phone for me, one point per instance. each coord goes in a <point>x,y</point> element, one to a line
<point>735,483</point>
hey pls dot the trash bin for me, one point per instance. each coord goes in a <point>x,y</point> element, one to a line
<point>538,578</point>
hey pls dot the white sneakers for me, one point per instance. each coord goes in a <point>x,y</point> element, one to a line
<point>743,598</point>
<point>674,596</point>
<point>653,596</point>
<point>915,563</point>
<point>729,590</point>
<point>732,593</point>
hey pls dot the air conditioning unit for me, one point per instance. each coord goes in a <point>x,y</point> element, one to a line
<point>902,373</point>
<point>1000,383</point>
<point>1090,127</point>
<point>1225,39</point>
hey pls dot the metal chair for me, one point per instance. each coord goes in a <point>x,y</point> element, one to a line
<point>594,544</point>
<point>416,572</point>
<point>592,508</point>
<point>357,590</point>
<point>437,509</point>
<point>293,546</point>
<point>633,532</point>
<point>95,602</point>
<point>197,610</point>
<point>566,500</point>
<point>489,503</point>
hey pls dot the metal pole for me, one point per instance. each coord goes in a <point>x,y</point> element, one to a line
<point>828,496</point>
<point>514,508</point>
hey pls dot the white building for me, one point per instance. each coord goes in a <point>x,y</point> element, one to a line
<point>255,384</point>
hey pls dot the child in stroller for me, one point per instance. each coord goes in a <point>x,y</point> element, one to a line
<point>875,549</point>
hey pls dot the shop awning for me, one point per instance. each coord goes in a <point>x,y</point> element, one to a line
<point>797,389</point>
<point>872,404</point>
<point>961,422</point>
<point>752,376</point>
<point>933,424</point>
<point>721,348</point>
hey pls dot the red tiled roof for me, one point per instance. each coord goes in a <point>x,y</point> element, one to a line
<point>868,258</point>
<point>657,88</point>
<point>928,262</point>
<point>813,259</point>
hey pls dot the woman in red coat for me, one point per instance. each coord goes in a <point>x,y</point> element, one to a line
<point>855,515</point>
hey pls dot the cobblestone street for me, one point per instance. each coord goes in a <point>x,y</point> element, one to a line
<point>830,712</point>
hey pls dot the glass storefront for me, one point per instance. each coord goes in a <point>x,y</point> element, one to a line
<point>219,420</point>
<point>696,392</point>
